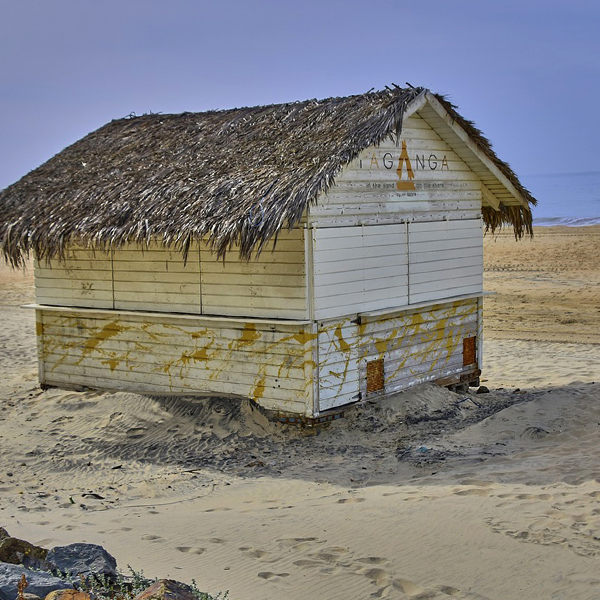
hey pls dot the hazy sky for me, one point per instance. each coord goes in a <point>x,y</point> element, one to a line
<point>527,71</point>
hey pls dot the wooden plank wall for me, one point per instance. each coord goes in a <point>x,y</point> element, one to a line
<point>445,259</point>
<point>272,285</point>
<point>366,192</point>
<point>416,346</point>
<point>269,363</point>
<point>156,279</point>
<point>83,279</point>
<point>374,267</point>
<point>359,269</point>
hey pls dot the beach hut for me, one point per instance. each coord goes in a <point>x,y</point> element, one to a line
<point>305,255</point>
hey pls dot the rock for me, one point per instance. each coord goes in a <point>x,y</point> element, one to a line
<point>20,552</point>
<point>166,589</point>
<point>38,582</point>
<point>28,596</point>
<point>3,533</point>
<point>482,390</point>
<point>82,559</point>
<point>67,595</point>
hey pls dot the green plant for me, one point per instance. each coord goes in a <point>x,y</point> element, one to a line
<point>127,587</point>
<point>204,596</point>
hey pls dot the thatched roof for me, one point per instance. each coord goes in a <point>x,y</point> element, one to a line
<point>181,177</point>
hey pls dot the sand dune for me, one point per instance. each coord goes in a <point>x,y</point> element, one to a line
<point>427,495</point>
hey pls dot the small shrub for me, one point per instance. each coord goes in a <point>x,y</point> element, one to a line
<point>127,587</point>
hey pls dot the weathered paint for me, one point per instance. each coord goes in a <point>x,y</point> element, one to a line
<point>280,366</point>
<point>417,345</point>
<point>272,364</point>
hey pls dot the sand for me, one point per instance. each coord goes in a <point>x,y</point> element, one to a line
<point>428,494</point>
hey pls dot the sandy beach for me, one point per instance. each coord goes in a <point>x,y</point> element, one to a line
<point>428,494</point>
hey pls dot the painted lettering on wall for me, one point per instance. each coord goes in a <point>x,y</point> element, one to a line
<point>403,161</point>
<point>432,162</point>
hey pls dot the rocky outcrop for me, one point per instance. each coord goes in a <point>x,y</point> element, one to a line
<point>19,552</point>
<point>82,560</point>
<point>166,589</point>
<point>38,582</point>
<point>68,595</point>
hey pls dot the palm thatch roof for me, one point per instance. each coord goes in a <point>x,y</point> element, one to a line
<point>181,177</point>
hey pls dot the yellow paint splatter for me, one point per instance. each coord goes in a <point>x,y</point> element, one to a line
<point>417,320</point>
<point>342,343</point>
<point>248,337</point>
<point>113,363</point>
<point>259,389</point>
<point>199,334</point>
<point>201,354</point>
<point>107,332</point>
<point>302,337</point>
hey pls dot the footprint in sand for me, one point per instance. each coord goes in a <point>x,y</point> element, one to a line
<point>152,538</point>
<point>350,500</point>
<point>216,540</point>
<point>331,555</point>
<point>299,543</point>
<point>190,550</point>
<point>308,562</point>
<point>448,590</point>
<point>376,576</point>
<point>372,560</point>
<point>271,576</point>
<point>472,492</point>
<point>412,589</point>
<point>254,552</point>
<point>136,433</point>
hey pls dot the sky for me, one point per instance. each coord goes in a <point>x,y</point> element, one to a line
<point>527,71</point>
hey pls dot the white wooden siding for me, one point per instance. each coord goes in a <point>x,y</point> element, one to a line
<point>419,345</point>
<point>270,286</point>
<point>269,363</point>
<point>83,279</point>
<point>358,269</point>
<point>445,259</point>
<point>366,191</point>
<point>339,355</point>
<point>156,279</point>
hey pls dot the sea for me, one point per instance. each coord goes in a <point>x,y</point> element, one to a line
<point>571,199</point>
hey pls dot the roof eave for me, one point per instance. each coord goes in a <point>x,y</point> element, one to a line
<point>436,105</point>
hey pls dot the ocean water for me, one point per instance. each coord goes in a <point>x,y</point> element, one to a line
<point>565,199</point>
